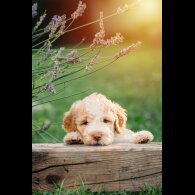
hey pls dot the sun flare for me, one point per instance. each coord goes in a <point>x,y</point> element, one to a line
<point>149,10</point>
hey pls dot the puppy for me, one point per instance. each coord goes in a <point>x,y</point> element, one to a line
<point>95,120</point>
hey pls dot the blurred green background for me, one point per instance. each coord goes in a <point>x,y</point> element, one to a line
<point>134,81</point>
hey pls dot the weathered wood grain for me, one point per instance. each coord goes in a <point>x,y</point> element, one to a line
<point>118,167</point>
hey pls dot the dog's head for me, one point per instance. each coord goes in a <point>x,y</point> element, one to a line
<point>96,118</point>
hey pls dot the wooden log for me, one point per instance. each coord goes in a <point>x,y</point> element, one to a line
<point>117,167</point>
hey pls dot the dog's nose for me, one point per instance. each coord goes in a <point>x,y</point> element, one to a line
<point>97,137</point>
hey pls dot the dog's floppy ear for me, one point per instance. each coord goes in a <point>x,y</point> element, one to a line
<point>121,118</point>
<point>69,121</point>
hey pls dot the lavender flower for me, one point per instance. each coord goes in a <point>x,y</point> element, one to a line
<point>71,54</point>
<point>99,37</point>
<point>73,60</point>
<point>50,73</point>
<point>53,73</point>
<point>49,52</point>
<point>40,21</point>
<point>121,10</point>
<point>55,23</point>
<point>50,88</point>
<point>56,66</point>
<point>92,62</point>
<point>55,59</point>
<point>34,10</point>
<point>118,38</point>
<point>71,57</point>
<point>63,25</point>
<point>56,18</point>
<point>58,55</point>
<point>79,11</point>
<point>127,50</point>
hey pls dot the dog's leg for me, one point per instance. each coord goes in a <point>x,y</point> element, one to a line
<point>73,138</point>
<point>141,137</point>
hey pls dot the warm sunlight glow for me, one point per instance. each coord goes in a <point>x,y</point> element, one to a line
<point>149,10</point>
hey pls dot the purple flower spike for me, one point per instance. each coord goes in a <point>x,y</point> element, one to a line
<point>71,54</point>
<point>34,10</point>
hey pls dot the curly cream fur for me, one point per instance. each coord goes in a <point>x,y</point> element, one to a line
<point>95,120</point>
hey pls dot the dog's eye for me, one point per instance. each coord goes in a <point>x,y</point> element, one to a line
<point>84,123</point>
<point>106,121</point>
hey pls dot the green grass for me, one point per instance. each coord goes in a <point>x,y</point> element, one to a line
<point>84,191</point>
<point>134,82</point>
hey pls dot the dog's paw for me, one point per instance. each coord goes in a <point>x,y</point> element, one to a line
<point>141,137</point>
<point>73,138</point>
